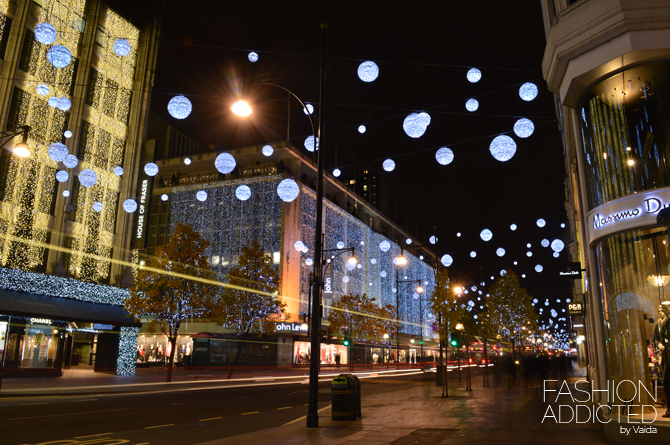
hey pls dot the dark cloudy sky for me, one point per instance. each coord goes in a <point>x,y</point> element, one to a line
<point>424,50</point>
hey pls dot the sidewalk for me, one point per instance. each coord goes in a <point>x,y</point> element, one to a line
<point>416,413</point>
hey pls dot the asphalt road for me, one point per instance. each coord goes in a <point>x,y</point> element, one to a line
<point>182,417</point>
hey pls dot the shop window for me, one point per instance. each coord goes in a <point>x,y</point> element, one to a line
<point>5,36</point>
<point>26,50</point>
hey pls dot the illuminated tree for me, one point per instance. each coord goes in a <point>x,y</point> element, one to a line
<point>511,309</point>
<point>174,284</point>
<point>250,297</point>
<point>447,309</point>
<point>360,318</point>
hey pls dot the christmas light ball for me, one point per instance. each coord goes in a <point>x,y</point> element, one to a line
<point>500,252</point>
<point>446,260</point>
<point>512,227</point>
<point>59,56</point>
<point>368,71</point>
<point>164,197</point>
<point>474,75</point>
<point>523,127</point>
<point>243,192</point>
<point>415,296</point>
<point>373,261</point>
<point>67,134</point>
<point>486,235</point>
<point>53,102</point>
<point>557,245</point>
<point>201,196</point>
<point>62,176</point>
<point>562,225</point>
<point>384,246</point>
<point>268,150</point>
<point>179,107</point>
<point>299,246</point>
<point>97,206</point>
<point>458,234</point>
<point>529,254</point>
<point>45,33</point>
<point>66,193</point>
<point>309,143</point>
<point>309,261</point>
<point>118,171</point>
<point>253,57</point>
<point>70,161</point>
<point>538,268</point>
<point>151,169</point>
<point>432,239</point>
<point>121,47</point>
<point>187,161</point>
<point>288,190</point>
<point>362,129</point>
<point>42,89</point>
<point>308,109</point>
<point>225,163</point>
<point>64,104</point>
<point>57,151</point>
<point>502,148</point>
<point>472,105</point>
<point>503,273</point>
<point>528,245</point>
<point>129,205</point>
<point>337,172</point>
<point>88,177</point>
<point>541,223</point>
<point>528,91</point>
<point>556,254</point>
<point>473,254</point>
<point>382,274</point>
<point>345,279</point>
<point>444,156</point>
<point>388,165</point>
<point>408,241</point>
<point>415,124</point>
<point>544,243</point>
<point>350,266</point>
<point>340,245</point>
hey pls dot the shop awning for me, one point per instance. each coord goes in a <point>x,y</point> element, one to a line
<point>67,309</point>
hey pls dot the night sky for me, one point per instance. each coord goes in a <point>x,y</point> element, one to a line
<point>423,53</point>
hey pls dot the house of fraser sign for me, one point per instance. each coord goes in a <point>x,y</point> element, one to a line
<point>628,213</point>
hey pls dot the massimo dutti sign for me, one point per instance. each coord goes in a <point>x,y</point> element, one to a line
<point>627,213</point>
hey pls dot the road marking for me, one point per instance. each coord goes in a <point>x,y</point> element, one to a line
<point>93,435</point>
<point>69,414</point>
<point>84,400</point>
<point>158,426</point>
<point>211,418</point>
<point>252,412</point>
<point>33,404</point>
<point>304,417</point>
<point>284,407</point>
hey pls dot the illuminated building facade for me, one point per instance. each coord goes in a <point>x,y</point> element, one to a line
<point>95,102</point>
<point>229,223</point>
<point>607,63</point>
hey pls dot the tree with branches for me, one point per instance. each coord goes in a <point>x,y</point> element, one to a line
<point>250,297</point>
<point>511,309</point>
<point>174,284</point>
<point>446,306</point>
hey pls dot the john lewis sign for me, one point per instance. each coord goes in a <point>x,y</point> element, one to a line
<point>628,213</point>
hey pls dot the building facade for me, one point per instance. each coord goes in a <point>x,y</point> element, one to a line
<point>230,220</point>
<point>79,76</point>
<point>607,62</point>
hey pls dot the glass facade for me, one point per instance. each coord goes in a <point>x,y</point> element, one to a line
<point>625,127</point>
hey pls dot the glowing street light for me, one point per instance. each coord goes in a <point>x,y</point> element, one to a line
<point>401,260</point>
<point>241,108</point>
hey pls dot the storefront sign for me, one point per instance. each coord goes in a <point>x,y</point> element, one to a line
<point>571,271</point>
<point>291,327</point>
<point>40,321</point>
<point>328,283</point>
<point>142,208</point>
<point>628,213</point>
<point>575,308</point>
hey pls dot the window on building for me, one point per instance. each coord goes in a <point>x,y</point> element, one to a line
<point>92,98</point>
<point>19,98</point>
<point>26,51</point>
<point>5,36</point>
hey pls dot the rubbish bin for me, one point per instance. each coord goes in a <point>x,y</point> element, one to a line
<point>346,397</point>
<point>440,374</point>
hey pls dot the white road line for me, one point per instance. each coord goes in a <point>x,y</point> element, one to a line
<point>93,435</point>
<point>252,412</point>
<point>158,426</point>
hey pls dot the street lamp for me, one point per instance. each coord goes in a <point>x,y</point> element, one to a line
<point>313,398</point>
<point>21,149</point>
<point>241,108</point>
<point>400,261</point>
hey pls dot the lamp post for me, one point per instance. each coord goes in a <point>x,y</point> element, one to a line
<point>400,261</point>
<point>242,108</point>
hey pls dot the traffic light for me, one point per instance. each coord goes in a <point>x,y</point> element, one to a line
<point>346,341</point>
<point>455,340</point>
